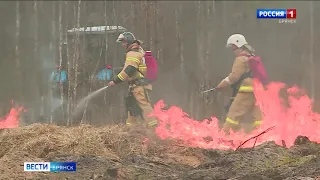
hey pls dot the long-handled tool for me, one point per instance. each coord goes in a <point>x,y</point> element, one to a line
<point>212,89</point>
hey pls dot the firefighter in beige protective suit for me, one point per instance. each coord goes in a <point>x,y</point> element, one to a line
<point>137,101</point>
<point>243,99</point>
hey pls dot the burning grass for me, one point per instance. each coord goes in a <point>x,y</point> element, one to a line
<point>286,122</point>
<point>113,152</point>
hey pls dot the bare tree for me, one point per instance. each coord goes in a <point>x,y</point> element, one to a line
<point>36,57</point>
<point>70,98</point>
<point>52,50</point>
<point>17,40</point>
<point>76,52</point>
<point>60,59</point>
<point>311,61</point>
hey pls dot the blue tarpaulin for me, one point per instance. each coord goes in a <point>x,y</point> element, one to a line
<point>55,76</point>
<point>104,74</point>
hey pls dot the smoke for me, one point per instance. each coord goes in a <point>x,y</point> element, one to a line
<point>55,104</point>
<point>48,58</point>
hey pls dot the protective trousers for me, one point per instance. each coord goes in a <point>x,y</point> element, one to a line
<point>243,103</point>
<point>141,96</point>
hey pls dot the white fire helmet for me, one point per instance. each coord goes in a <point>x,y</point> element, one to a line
<point>237,39</point>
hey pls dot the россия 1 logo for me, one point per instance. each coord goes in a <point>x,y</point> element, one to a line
<point>283,15</point>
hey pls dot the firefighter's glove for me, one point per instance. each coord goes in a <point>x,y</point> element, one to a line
<point>111,83</point>
<point>222,85</point>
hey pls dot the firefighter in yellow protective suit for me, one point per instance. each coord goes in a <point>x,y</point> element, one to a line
<point>243,99</point>
<point>137,101</point>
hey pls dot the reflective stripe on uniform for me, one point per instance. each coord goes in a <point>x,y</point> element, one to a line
<point>232,121</point>
<point>257,123</point>
<point>133,59</point>
<point>152,123</point>
<point>246,89</point>
<point>121,77</point>
<point>142,68</point>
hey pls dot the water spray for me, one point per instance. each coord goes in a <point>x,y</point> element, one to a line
<point>212,89</point>
<point>81,104</point>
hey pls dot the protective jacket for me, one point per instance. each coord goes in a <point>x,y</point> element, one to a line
<point>135,58</point>
<point>137,101</point>
<point>243,98</point>
<point>240,76</point>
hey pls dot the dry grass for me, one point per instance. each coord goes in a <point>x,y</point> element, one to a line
<point>40,140</point>
<point>112,147</point>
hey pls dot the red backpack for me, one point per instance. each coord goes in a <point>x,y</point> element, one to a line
<point>257,68</point>
<point>152,67</point>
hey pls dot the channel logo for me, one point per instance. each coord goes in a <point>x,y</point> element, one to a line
<point>276,13</point>
<point>50,166</point>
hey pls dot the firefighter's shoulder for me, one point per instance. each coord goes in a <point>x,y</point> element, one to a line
<point>134,56</point>
<point>240,59</point>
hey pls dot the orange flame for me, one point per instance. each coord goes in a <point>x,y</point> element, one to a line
<point>290,122</point>
<point>12,119</point>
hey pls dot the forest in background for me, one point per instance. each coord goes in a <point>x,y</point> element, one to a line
<point>187,37</point>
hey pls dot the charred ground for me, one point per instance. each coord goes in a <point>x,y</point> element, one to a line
<point>113,153</point>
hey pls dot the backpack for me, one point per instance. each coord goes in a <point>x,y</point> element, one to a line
<point>152,67</point>
<point>257,68</point>
<point>257,71</point>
